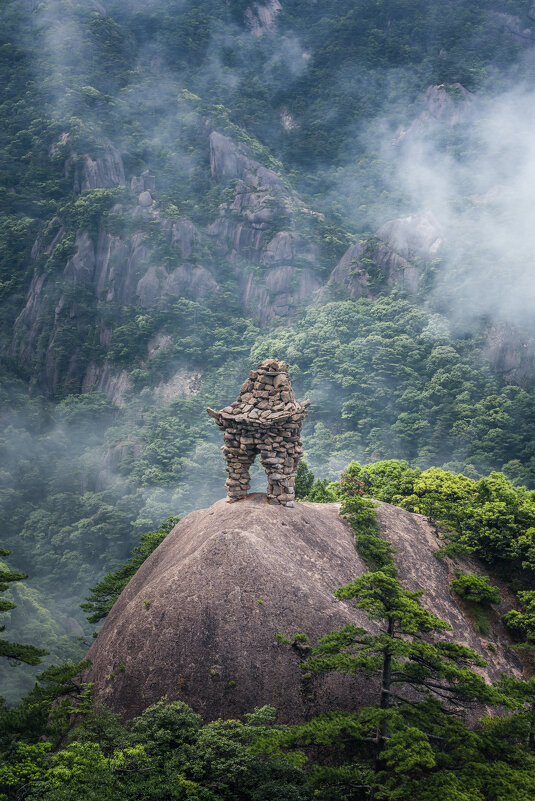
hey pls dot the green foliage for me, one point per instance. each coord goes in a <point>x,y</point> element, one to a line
<point>399,653</point>
<point>427,754</point>
<point>28,654</point>
<point>46,711</point>
<point>522,624</point>
<point>490,517</point>
<point>347,782</point>
<point>168,753</point>
<point>441,495</point>
<point>164,753</point>
<point>361,515</point>
<point>384,396</point>
<point>475,588</point>
<point>388,480</point>
<point>350,485</point>
<point>282,639</point>
<point>322,491</point>
<point>408,752</point>
<point>106,592</point>
<point>304,480</point>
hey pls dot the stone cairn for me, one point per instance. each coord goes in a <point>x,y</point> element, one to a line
<point>264,419</point>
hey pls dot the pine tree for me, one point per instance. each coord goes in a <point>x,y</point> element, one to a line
<point>403,653</point>
<point>22,653</point>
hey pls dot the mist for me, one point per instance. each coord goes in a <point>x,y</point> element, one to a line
<point>467,168</point>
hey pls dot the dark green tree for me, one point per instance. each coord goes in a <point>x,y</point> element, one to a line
<point>322,492</point>
<point>21,653</point>
<point>522,624</point>
<point>105,593</point>
<point>304,479</point>
<point>476,589</point>
<point>403,653</point>
<point>523,692</point>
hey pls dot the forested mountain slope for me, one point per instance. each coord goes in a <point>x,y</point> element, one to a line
<point>187,188</point>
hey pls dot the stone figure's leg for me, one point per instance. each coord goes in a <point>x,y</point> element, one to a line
<point>239,457</point>
<point>271,461</point>
<point>277,457</point>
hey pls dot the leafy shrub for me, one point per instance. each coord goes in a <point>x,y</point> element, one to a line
<point>521,625</point>
<point>476,589</point>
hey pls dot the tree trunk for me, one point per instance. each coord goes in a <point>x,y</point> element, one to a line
<point>386,681</point>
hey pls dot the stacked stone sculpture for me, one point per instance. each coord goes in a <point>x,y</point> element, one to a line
<point>265,419</point>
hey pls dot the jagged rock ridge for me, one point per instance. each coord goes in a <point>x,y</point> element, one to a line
<point>257,231</point>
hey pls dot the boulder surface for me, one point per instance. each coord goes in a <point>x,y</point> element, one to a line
<point>198,621</point>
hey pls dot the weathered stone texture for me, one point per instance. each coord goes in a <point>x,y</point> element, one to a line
<point>199,619</point>
<point>265,419</point>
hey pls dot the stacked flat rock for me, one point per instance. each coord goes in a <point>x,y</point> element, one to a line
<point>265,419</point>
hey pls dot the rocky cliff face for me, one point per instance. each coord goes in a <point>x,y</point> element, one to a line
<point>511,352</point>
<point>67,307</point>
<point>136,258</point>
<point>442,106</point>
<point>260,226</point>
<point>260,243</point>
<point>261,17</point>
<point>199,620</point>
<point>396,256</point>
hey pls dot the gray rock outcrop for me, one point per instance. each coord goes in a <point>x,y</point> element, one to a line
<point>138,258</point>
<point>394,256</point>
<point>108,269</point>
<point>199,619</point>
<point>261,17</point>
<point>102,172</point>
<point>511,352</point>
<point>443,105</point>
